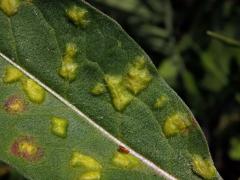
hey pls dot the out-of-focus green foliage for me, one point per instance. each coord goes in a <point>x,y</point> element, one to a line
<point>149,20</point>
<point>234,151</point>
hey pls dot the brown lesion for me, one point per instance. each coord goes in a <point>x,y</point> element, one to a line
<point>25,147</point>
<point>15,105</point>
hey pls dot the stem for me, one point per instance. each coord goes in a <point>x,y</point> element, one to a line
<point>224,39</point>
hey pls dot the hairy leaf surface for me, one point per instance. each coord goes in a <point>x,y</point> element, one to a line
<point>90,104</point>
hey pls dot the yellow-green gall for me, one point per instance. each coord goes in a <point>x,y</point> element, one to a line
<point>81,160</point>
<point>68,69</point>
<point>138,76</point>
<point>78,15</point>
<point>203,167</point>
<point>120,95</point>
<point>59,126</point>
<point>98,89</point>
<point>9,7</point>
<point>176,124</point>
<point>124,160</point>
<point>33,90</point>
<point>160,102</point>
<point>92,175</point>
<point>12,74</point>
<point>71,50</point>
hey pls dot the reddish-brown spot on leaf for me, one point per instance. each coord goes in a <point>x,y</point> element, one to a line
<point>122,149</point>
<point>14,105</point>
<point>25,147</point>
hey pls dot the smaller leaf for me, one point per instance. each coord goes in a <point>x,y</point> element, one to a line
<point>234,151</point>
<point>169,69</point>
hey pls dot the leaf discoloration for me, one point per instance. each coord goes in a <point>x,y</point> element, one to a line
<point>176,124</point>
<point>12,75</point>
<point>98,89</point>
<point>9,7</point>
<point>36,38</point>
<point>203,167</point>
<point>160,102</point>
<point>26,148</point>
<point>15,105</point>
<point>59,126</point>
<point>80,160</point>
<point>120,95</point>
<point>91,175</point>
<point>138,76</point>
<point>124,160</point>
<point>78,15</point>
<point>33,90</point>
<point>68,69</point>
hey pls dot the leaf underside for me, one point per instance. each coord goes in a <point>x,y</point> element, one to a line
<point>35,38</point>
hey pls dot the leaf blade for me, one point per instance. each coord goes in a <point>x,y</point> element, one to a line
<point>98,61</point>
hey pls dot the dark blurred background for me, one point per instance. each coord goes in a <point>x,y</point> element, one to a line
<point>203,70</point>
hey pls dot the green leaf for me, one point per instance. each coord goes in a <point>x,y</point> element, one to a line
<point>170,68</point>
<point>81,100</point>
<point>216,62</point>
<point>234,151</point>
<point>190,83</point>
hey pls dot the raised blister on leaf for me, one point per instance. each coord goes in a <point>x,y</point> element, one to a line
<point>26,148</point>
<point>80,160</point>
<point>176,124</point>
<point>9,7</point>
<point>35,93</point>
<point>71,50</point>
<point>160,102</point>
<point>98,89</point>
<point>68,69</point>
<point>120,95</point>
<point>203,167</point>
<point>14,105</point>
<point>124,160</point>
<point>78,15</point>
<point>138,76</point>
<point>59,126</point>
<point>12,74</point>
<point>92,175</point>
